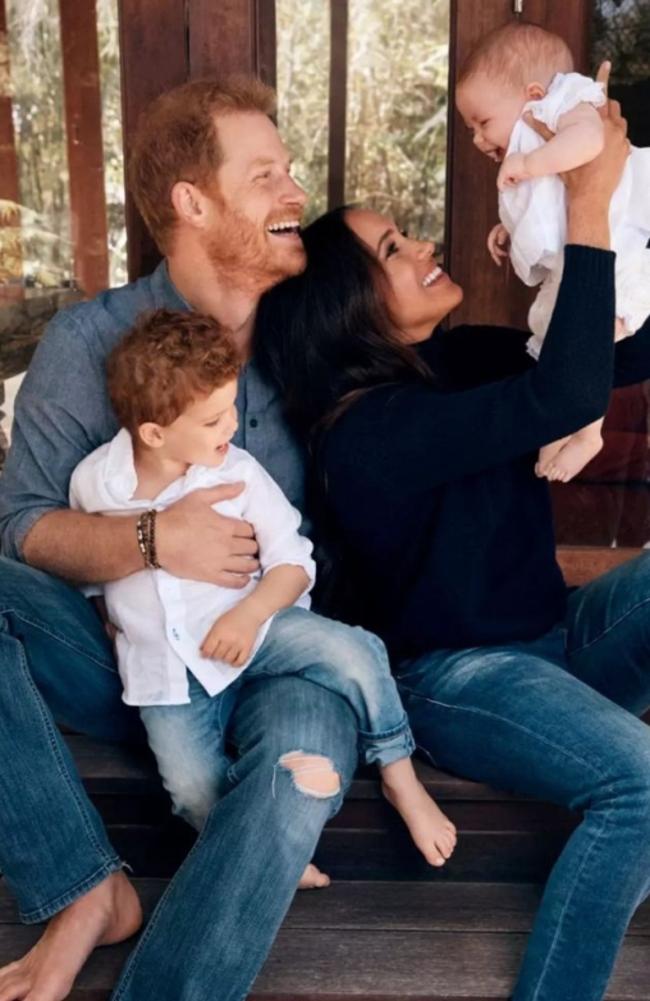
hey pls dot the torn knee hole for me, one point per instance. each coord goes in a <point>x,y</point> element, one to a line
<point>313,774</point>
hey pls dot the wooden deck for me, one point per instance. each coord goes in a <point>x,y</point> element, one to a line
<point>390,927</point>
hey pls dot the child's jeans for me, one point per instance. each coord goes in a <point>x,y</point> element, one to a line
<point>189,740</point>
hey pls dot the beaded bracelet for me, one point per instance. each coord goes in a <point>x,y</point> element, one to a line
<point>146,532</point>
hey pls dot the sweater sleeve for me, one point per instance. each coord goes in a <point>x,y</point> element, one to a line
<point>632,358</point>
<point>418,437</point>
<point>469,356</point>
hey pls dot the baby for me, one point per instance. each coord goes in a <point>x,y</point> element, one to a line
<point>523,68</point>
<point>184,646</point>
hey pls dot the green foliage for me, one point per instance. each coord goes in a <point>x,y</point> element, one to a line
<point>36,87</point>
<point>396,131</point>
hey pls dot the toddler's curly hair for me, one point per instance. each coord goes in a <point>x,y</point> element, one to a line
<point>164,362</point>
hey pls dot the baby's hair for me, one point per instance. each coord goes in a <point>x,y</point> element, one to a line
<point>164,362</point>
<point>518,54</point>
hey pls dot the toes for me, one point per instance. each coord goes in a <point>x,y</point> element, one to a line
<point>313,879</point>
<point>13,989</point>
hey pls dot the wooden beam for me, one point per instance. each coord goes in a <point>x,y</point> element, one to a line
<point>492,295</point>
<point>10,251</point>
<point>580,564</point>
<point>234,36</point>
<point>153,57</point>
<point>337,102</point>
<point>83,120</point>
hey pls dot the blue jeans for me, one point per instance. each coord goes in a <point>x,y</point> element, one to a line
<point>219,916</point>
<point>556,719</point>
<point>188,740</point>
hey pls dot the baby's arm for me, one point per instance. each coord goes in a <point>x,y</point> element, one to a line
<point>233,634</point>
<point>579,139</point>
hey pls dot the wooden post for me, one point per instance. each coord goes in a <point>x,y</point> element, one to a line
<point>153,45</point>
<point>492,295</point>
<point>233,36</point>
<point>83,119</point>
<point>10,251</point>
<point>337,102</point>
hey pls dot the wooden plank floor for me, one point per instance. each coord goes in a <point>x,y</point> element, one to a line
<point>430,942</point>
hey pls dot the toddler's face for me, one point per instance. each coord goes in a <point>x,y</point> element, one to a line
<point>201,434</point>
<point>490,110</point>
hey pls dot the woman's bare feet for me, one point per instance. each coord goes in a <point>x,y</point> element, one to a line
<point>108,913</point>
<point>312,879</point>
<point>433,832</point>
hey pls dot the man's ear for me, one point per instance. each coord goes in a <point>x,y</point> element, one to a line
<point>189,203</point>
<point>151,434</point>
<point>535,91</point>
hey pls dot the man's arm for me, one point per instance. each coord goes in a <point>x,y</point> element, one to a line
<point>61,415</point>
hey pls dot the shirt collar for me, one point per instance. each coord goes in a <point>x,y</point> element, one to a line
<point>165,292</point>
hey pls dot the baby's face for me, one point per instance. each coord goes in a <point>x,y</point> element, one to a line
<point>490,109</point>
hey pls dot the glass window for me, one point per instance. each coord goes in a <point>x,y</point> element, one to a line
<point>395,122</point>
<point>39,259</point>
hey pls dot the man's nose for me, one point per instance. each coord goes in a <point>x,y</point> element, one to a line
<point>293,194</point>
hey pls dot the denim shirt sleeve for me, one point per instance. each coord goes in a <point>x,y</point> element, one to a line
<point>57,421</point>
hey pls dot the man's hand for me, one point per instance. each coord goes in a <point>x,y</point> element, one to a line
<point>498,242</point>
<point>232,636</point>
<point>195,542</point>
<point>512,171</point>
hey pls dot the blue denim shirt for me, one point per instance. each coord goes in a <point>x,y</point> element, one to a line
<point>63,411</point>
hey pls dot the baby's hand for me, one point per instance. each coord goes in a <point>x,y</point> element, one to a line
<point>512,171</point>
<point>498,242</point>
<point>232,636</point>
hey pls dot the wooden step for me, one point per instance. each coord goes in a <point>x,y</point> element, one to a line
<point>381,942</point>
<point>499,835</point>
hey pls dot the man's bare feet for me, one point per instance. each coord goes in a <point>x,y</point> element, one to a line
<point>313,879</point>
<point>563,463</point>
<point>108,913</point>
<point>433,832</point>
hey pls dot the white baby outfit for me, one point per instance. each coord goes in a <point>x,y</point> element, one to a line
<point>162,620</point>
<point>534,213</point>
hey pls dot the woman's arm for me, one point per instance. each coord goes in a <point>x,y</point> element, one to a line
<point>420,437</point>
<point>424,437</point>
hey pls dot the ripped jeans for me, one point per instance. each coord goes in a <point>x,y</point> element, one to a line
<point>189,740</point>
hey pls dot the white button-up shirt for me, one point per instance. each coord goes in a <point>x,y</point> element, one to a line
<point>162,619</point>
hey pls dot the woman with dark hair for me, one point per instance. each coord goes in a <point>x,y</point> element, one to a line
<point>425,449</point>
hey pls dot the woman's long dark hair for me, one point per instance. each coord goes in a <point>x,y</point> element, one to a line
<point>326,336</point>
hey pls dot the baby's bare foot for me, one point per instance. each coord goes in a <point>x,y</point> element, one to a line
<point>573,457</point>
<point>313,879</point>
<point>433,832</point>
<point>107,914</point>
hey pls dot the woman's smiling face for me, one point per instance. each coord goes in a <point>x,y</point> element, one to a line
<point>420,293</point>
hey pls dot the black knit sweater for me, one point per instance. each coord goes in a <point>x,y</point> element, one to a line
<point>447,530</point>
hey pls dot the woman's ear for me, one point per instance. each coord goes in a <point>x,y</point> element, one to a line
<point>535,91</point>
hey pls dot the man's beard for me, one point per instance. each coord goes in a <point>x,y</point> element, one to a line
<point>243,257</point>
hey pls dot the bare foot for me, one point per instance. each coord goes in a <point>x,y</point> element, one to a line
<point>108,913</point>
<point>571,458</point>
<point>313,879</point>
<point>432,831</point>
<point>547,455</point>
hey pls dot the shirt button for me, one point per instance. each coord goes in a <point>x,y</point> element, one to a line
<point>253,422</point>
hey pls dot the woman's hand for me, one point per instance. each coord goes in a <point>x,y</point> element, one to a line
<point>591,186</point>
